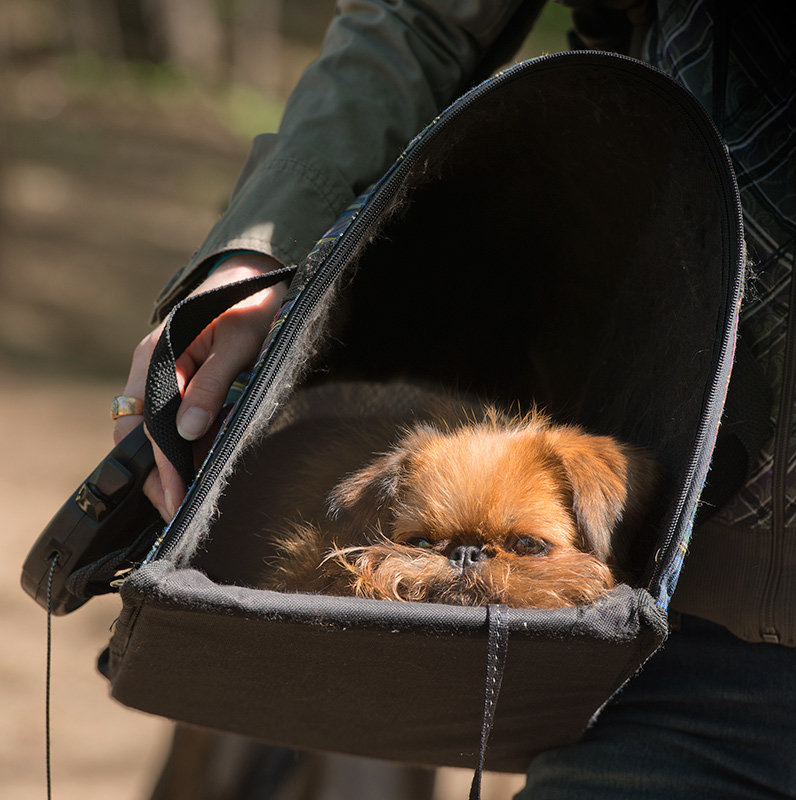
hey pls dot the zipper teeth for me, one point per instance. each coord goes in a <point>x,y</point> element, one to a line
<point>665,556</point>
<point>328,271</point>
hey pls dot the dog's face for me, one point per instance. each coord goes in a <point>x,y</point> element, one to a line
<point>511,511</point>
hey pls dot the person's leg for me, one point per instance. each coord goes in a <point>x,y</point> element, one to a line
<point>710,717</point>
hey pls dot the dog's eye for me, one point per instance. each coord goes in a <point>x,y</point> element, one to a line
<point>419,541</point>
<point>530,546</point>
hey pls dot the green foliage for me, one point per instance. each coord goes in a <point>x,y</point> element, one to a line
<point>247,112</point>
<point>549,32</point>
<point>243,110</point>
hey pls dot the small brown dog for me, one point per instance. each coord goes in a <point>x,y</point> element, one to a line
<point>513,510</point>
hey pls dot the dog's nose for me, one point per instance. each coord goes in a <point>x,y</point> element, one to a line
<point>465,556</point>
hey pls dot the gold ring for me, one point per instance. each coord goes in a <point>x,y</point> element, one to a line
<point>123,405</point>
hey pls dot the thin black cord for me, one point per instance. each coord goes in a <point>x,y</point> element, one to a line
<point>497,646</point>
<point>53,566</point>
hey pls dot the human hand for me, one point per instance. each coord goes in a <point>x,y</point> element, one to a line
<point>206,370</point>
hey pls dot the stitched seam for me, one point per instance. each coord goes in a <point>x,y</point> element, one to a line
<point>314,177</point>
<point>120,653</point>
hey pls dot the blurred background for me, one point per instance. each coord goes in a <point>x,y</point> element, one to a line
<point>123,124</point>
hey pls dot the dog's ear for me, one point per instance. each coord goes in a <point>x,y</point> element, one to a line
<point>599,470</point>
<point>364,492</point>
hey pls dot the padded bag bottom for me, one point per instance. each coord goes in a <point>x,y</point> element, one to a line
<point>405,679</point>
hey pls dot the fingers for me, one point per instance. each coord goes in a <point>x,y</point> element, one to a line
<point>230,345</point>
<point>205,371</point>
<point>153,489</point>
<point>164,487</point>
<point>135,386</point>
<point>235,343</point>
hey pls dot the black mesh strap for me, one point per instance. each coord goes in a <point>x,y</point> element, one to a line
<point>497,647</point>
<point>185,322</point>
<point>721,10</point>
<point>95,578</point>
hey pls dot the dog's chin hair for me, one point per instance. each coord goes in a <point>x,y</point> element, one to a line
<point>388,571</point>
<point>302,562</point>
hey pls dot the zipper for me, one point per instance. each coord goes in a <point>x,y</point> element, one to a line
<point>304,305</point>
<point>768,629</point>
<point>336,260</point>
<point>668,551</point>
<point>308,299</point>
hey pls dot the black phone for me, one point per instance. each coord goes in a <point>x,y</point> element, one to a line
<point>107,512</point>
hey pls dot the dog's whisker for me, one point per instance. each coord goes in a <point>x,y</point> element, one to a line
<point>342,552</point>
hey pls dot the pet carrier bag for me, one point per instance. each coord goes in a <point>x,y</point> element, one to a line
<point>568,232</point>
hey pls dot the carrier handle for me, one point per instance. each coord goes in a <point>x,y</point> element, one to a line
<point>185,322</point>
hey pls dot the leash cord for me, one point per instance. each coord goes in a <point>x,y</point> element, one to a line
<point>53,566</point>
<point>497,646</point>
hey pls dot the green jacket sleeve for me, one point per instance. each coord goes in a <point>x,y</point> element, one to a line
<point>385,70</point>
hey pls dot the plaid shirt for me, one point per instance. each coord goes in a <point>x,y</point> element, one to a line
<point>760,133</point>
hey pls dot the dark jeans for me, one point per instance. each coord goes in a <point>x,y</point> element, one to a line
<point>709,716</point>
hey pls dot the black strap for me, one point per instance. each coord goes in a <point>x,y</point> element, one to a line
<point>497,648</point>
<point>95,578</point>
<point>185,322</point>
<point>720,10</point>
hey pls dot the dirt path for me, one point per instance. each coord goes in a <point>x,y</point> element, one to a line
<point>100,748</point>
<point>101,198</point>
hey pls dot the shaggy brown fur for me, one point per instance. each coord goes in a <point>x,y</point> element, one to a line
<point>512,510</point>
